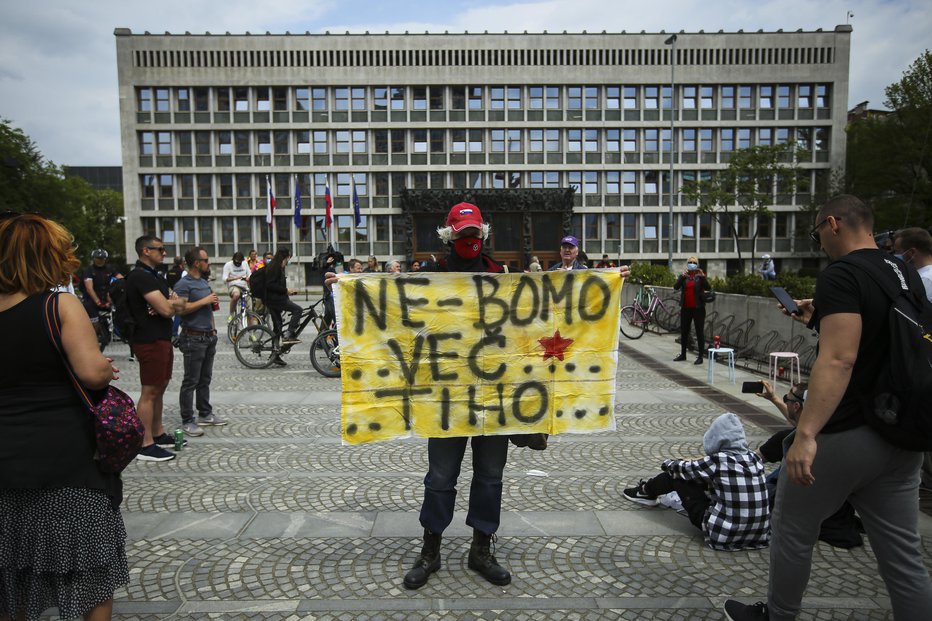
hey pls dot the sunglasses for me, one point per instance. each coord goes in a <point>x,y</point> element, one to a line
<point>159,248</point>
<point>791,398</point>
<point>814,233</point>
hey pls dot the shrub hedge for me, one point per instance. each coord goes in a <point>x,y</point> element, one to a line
<point>800,287</point>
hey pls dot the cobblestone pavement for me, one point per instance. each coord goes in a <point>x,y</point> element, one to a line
<point>271,518</point>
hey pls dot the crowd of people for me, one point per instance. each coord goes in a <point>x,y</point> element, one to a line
<point>832,463</point>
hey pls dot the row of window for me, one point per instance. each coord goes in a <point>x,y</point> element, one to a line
<point>633,97</point>
<point>386,234</point>
<point>447,57</point>
<point>611,182</point>
<point>613,140</point>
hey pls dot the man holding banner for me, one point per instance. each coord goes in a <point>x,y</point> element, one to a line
<point>474,353</point>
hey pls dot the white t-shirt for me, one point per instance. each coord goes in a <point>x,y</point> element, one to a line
<point>926,274</point>
<point>230,269</point>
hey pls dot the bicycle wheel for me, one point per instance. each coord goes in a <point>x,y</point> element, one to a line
<point>240,322</point>
<point>632,322</point>
<point>325,354</point>
<point>668,316</point>
<point>255,347</point>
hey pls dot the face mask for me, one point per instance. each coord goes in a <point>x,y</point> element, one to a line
<point>467,247</point>
<point>692,266</point>
<point>902,257</point>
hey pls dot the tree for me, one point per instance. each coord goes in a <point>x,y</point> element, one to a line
<point>889,157</point>
<point>746,187</point>
<point>28,182</point>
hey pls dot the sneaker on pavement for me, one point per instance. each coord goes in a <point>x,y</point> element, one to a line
<point>639,495</point>
<point>212,420</point>
<point>154,452</point>
<point>192,429</point>
<point>279,362</point>
<point>167,440</point>
<point>736,611</point>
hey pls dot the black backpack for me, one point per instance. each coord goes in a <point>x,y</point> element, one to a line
<point>257,283</point>
<point>901,410</point>
<point>123,322</point>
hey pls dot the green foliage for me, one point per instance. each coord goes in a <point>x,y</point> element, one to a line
<point>800,287</point>
<point>889,158</point>
<point>28,182</point>
<point>747,186</point>
<point>649,274</point>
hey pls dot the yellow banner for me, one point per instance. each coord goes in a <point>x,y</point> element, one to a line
<point>446,355</point>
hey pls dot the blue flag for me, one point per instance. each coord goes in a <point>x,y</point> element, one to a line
<point>356,205</point>
<point>298,220</point>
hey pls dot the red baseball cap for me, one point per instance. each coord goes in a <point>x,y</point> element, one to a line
<point>463,216</point>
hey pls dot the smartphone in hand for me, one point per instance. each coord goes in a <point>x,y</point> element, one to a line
<point>786,300</point>
<point>754,387</point>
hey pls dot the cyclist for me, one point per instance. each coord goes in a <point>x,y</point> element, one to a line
<point>277,299</point>
<point>235,274</point>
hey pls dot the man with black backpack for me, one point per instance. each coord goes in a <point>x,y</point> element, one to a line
<point>841,448</point>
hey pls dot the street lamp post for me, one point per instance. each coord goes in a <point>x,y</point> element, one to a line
<point>671,41</point>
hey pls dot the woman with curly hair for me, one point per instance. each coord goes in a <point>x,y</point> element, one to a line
<point>62,540</point>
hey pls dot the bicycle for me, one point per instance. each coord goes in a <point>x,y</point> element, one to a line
<point>325,353</point>
<point>258,346</point>
<point>635,318</point>
<point>245,315</point>
<point>103,327</point>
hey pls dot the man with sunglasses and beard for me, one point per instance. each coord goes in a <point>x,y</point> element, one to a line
<point>833,454</point>
<point>151,308</point>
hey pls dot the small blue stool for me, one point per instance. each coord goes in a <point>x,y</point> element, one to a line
<point>730,361</point>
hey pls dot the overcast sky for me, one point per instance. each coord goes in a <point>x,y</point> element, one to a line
<point>58,57</point>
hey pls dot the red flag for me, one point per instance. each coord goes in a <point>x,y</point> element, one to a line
<point>329,202</point>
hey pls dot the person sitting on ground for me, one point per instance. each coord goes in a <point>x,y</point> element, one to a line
<point>767,269</point>
<point>843,528</point>
<point>723,493</point>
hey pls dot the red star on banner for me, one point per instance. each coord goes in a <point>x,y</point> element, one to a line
<point>555,346</point>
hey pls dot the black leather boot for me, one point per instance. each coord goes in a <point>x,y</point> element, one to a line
<point>427,562</point>
<point>482,560</point>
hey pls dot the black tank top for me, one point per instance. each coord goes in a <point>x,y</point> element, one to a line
<point>48,433</point>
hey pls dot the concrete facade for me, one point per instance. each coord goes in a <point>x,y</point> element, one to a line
<point>205,118</point>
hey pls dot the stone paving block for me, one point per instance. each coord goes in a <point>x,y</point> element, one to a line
<point>271,518</point>
<point>313,524</point>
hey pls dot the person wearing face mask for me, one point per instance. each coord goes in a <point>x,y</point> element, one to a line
<point>691,283</point>
<point>913,246</point>
<point>464,235</point>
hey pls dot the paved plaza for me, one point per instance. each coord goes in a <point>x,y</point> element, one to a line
<point>271,518</point>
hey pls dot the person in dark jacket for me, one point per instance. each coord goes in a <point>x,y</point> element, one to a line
<point>277,299</point>
<point>691,283</point>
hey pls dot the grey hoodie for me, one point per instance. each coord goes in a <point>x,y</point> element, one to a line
<point>725,435</point>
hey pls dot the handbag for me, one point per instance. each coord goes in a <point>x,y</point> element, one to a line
<point>708,296</point>
<point>118,432</point>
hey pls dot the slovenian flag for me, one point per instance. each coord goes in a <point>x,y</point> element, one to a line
<point>355,202</point>
<point>329,201</point>
<point>298,221</point>
<point>270,203</point>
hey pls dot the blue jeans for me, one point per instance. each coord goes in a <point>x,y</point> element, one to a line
<point>445,456</point>
<point>199,354</point>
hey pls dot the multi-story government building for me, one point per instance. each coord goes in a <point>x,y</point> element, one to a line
<point>548,133</point>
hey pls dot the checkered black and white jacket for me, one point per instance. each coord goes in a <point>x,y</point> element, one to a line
<point>738,517</point>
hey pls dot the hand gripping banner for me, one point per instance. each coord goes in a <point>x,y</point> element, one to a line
<point>446,355</point>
